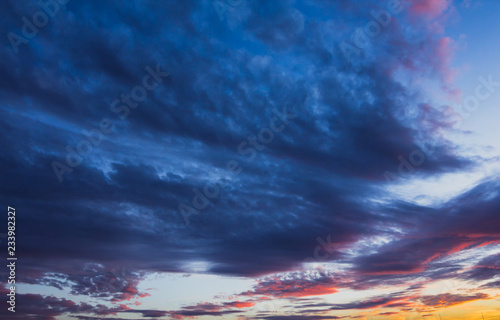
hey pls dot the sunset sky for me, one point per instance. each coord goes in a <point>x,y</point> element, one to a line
<point>251,160</point>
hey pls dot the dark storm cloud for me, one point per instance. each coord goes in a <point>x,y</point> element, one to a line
<point>119,207</point>
<point>464,222</point>
<point>275,23</point>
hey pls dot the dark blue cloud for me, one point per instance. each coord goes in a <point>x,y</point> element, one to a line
<point>228,79</point>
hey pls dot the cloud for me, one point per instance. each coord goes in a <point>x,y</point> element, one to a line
<point>321,177</point>
<point>370,303</point>
<point>491,285</point>
<point>296,285</point>
<point>305,317</point>
<point>448,299</point>
<point>485,269</point>
<point>211,309</point>
<point>429,8</point>
<point>35,306</point>
<point>117,284</point>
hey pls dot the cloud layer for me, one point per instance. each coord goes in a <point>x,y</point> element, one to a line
<point>207,168</point>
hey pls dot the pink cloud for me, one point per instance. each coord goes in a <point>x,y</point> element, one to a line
<point>296,285</point>
<point>429,8</point>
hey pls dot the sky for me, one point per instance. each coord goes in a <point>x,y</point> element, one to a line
<point>250,160</point>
